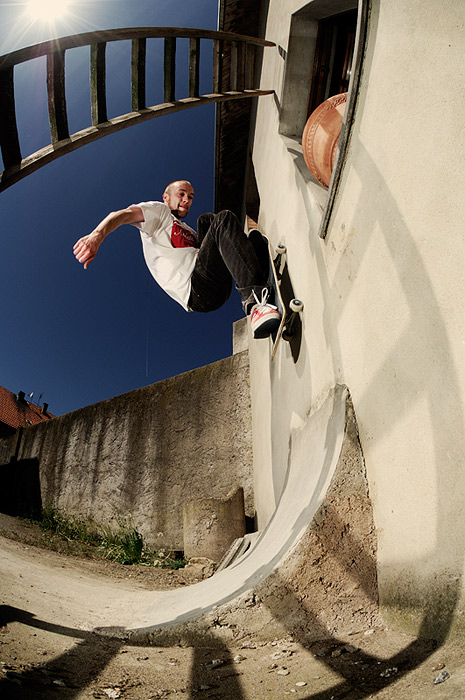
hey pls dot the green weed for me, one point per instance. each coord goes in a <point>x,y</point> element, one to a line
<point>123,543</point>
<point>74,529</point>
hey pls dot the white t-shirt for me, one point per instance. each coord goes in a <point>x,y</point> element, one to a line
<point>171,267</point>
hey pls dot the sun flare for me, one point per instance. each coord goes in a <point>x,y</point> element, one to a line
<point>47,10</point>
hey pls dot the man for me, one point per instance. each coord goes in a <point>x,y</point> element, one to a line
<point>195,269</point>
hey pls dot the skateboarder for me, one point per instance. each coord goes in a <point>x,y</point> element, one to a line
<point>195,269</point>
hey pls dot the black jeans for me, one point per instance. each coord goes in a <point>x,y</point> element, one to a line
<point>226,254</point>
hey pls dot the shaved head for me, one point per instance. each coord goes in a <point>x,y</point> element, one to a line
<point>169,187</point>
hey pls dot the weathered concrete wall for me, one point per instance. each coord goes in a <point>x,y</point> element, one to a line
<point>147,452</point>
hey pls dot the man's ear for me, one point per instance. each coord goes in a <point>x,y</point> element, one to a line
<point>165,196</point>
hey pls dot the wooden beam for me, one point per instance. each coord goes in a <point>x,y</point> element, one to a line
<point>88,38</point>
<point>241,61</point>
<point>138,64</point>
<point>98,98</point>
<point>194,67</point>
<point>9,140</point>
<point>169,70</point>
<point>58,117</point>
<point>250,66</point>
<point>218,48</point>
<point>233,75</point>
<point>234,62</point>
<point>92,133</point>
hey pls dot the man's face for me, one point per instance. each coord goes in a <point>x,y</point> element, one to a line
<point>179,198</point>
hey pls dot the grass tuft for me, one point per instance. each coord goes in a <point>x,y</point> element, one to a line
<point>123,544</point>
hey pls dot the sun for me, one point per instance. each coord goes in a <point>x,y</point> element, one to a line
<point>46,10</point>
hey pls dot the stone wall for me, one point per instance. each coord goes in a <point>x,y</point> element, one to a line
<point>144,453</point>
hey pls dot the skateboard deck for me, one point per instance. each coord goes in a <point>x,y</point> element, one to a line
<point>274,257</point>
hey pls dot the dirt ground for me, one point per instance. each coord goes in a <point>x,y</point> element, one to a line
<point>41,659</point>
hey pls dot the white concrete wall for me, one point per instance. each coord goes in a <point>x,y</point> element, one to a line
<point>383,297</point>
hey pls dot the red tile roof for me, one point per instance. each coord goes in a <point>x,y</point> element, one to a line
<point>19,412</point>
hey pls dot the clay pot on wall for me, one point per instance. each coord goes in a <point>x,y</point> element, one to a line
<point>321,137</point>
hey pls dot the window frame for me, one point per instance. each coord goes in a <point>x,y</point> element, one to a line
<point>297,84</point>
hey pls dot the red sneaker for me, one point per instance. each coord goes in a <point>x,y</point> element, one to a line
<point>264,318</point>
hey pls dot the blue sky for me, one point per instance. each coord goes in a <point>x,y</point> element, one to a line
<point>76,336</point>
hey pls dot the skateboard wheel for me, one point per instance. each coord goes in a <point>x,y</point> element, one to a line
<point>280,249</point>
<point>296,305</point>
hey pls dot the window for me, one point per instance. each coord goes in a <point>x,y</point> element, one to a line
<point>318,60</point>
<point>334,53</point>
<point>323,58</point>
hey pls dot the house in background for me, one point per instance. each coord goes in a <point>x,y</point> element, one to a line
<point>16,412</point>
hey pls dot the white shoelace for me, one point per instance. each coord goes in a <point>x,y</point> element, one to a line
<point>265,295</point>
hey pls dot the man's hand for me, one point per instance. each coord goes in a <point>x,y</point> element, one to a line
<point>86,247</point>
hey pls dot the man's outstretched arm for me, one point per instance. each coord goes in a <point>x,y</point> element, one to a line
<point>86,247</point>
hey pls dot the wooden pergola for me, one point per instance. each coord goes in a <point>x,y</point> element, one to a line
<point>234,59</point>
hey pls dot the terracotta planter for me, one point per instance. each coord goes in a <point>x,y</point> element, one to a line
<point>321,136</point>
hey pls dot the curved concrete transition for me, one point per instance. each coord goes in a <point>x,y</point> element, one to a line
<point>244,592</point>
<point>312,571</point>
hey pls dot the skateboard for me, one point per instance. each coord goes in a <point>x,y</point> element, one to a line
<point>290,308</point>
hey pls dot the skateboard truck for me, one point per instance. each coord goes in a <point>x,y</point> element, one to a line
<point>296,306</point>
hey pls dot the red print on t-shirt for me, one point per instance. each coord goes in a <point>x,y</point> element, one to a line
<point>182,237</point>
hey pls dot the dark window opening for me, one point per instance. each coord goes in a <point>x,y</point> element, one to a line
<point>333,57</point>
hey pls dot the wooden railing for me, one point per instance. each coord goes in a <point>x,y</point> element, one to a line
<point>233,63</point>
